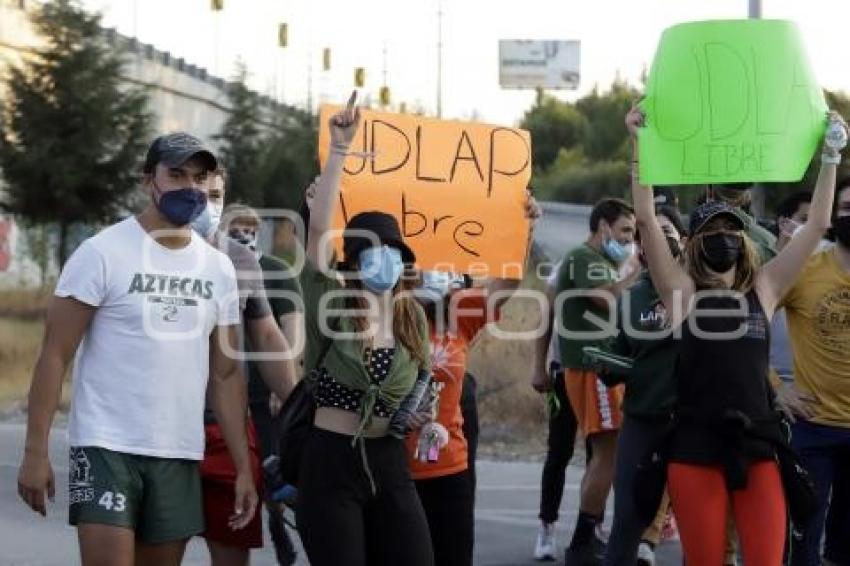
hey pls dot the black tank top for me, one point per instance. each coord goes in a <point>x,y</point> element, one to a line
<point>722,375</point>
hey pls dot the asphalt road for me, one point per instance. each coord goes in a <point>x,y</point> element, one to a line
<point>506,514</point>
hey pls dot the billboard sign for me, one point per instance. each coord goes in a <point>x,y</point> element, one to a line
<point>529,64</point>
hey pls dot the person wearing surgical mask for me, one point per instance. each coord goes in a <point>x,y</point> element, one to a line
<point>367,345</point>
<point>818,319</point>
<point>648,403</point>
<point>591,282</point>
<point>457,311</point>
<point>722,450</point>
<point>152,308</point>
<point>278,373</point>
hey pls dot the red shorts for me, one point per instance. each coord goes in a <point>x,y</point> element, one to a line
<point>218,478</point>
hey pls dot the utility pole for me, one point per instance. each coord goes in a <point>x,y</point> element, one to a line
<point>757,207</point>
<point>310,81</point>
<point>439,58</point>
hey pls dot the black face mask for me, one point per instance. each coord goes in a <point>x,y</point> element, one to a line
<point>721,251</point>
<point>674,246</point>
<point>841,230</point>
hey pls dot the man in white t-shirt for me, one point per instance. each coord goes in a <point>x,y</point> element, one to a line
<point>150,310</point>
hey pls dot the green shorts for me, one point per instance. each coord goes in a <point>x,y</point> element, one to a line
<point>158,498</point>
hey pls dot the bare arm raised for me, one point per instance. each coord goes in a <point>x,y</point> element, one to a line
<point>343,126</point>
<point>671,281</point>
<point>776,277</point>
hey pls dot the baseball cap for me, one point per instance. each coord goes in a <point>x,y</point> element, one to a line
<point>177,148</point>
<point>706,211</point>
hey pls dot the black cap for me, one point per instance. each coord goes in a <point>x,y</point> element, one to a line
<point>706,211</point>
<point>176,149</point>
<point>385,228</point>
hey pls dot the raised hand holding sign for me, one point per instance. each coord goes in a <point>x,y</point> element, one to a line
<point>730,101</point>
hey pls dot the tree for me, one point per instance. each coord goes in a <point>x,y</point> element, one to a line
<point>290,163</point>
<point>270,159</point>
<point>243,142</point>
<point>580,150</point>
<point>554,125</point>
<point>71,134</point>
<point>606,136</point>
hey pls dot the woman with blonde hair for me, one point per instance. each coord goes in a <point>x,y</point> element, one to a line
<point>721,301</point>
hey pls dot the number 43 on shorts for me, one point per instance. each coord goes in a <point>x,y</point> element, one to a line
<point>112,501</point>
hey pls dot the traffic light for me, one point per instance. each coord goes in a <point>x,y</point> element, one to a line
<point>359,77</point>
<point>283,35</point>
<point>326,59</point>
<point>385,96</point>
<point>217,5</point>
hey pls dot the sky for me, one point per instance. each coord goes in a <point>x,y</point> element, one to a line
<point>399,37</point>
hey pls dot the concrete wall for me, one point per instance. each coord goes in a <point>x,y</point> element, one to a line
<point>182,97</point>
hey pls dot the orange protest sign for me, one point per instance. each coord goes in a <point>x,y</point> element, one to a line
<point>457,189</point>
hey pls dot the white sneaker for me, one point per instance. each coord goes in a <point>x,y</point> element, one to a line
<point>645,556</point>
<point>545,547</point>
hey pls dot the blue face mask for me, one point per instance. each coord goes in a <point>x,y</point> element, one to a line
<point>207,222</point>
<point>617,251</point>
<point>380,268</point>
<point>181,206</point>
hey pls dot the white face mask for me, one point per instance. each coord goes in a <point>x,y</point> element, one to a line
<point>436,285</point>
<point>209,219</point>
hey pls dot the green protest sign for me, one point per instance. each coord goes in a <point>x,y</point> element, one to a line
<point>730,101</point>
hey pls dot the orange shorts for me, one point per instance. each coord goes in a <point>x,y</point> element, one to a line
<point>597,408</point>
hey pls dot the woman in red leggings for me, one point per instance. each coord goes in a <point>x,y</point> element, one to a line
<point>721,302</point>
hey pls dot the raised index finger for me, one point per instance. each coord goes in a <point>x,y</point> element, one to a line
<point>351,100</point>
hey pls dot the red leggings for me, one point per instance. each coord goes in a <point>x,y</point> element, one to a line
<point>700,502</point>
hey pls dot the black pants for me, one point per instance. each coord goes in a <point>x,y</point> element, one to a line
<point>341,521</point>
<point>562,438</point>
<point>469,412</point>
<point>449,503</point>
<point>637,439</point>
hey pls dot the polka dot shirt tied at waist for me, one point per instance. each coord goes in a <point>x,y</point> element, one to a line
<point>330,393</point>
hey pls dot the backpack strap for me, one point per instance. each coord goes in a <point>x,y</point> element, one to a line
<point>326,346</point>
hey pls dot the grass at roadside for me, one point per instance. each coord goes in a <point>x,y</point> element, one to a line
<point>511,413</point>
<point>23,303</point>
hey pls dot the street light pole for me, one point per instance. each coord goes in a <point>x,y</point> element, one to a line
<point>757,192</point>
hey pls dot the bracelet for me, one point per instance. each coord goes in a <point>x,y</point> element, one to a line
<point>831,159</point>
<point>361,154</point>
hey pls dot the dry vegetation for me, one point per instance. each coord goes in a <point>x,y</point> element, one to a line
<point>512,414</point>
<point>19,343</point>
<point>21,329</point>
